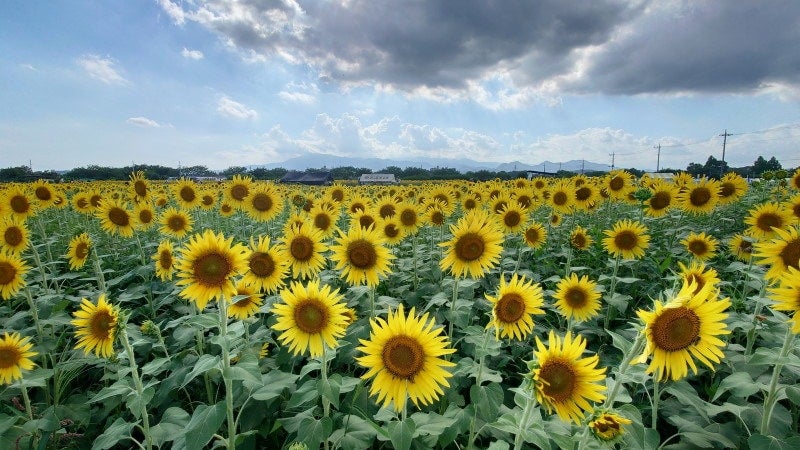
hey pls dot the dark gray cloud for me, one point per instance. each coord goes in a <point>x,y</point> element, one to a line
<point>607,46</point>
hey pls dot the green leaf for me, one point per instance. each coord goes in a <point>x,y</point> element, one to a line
<point>431,423</point>
<point>172,426</point>
<point>315,431</point>
<point>275,382</point>
<point>487,399</point>
<point>137,402</point>
<point>204,364</point>
<point>155,367</point>
<point>356,433</point>
<point>329,389</point>
<point>686,395</point>
<point>498,445</point>
<point>118,431</point>
<point>205,421</point>
<point>769,357</point>
<point>761,442</point>
<point>204,321</point>
<point>304,394</point>
<point>118,389</point>
<point>401,433</point>
<point>740,384</point>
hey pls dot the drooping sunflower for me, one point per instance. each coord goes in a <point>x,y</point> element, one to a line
<point>698,274</point>
<point>731,188</point>
<point>699,197</point>
<point>577,298</point>
<point>246,303</point>
<point>514,306</point>
<point>206,267</point>
<point>403,357</point>
<point>580,239</point>
<point>15,356</point>
<point>607,425</point>
<point>139,187</point>
<point>266,265</point>
<point>17,202</point>
<point>765,218</point>
<point>780,253</point>
<point>627,239</point>
<point>662,196</point>
<point>14,235</point>
<point>185,193</point>
<point>362,256</point>
<point>305,250</point>
<point>512,217</point>
<point>685,328</point>
<point>237,190</point>
<point>44,193</point>
<point>535,235</point>
<point>165,260</point>
<point>741,247</point>
<point>787,296</point>
<point>96,327</point>
<point>175,223</point>
<point>263,203</point>
<point>475,247</point>
<point>78,251</point>
<point>115,218</point>
<point>565,381</point>
<point>701,245</point>
<point>12,274</point>
<point>310,318</point>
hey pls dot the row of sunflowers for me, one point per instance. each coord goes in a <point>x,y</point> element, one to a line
<point>585,312</point>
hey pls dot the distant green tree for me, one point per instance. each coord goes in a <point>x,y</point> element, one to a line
<point>20,173</point>
<point>261,173</point>
<point>714,168</point>
<point>197,171</point>
<point>761,165</point>
<point>234,170</point>
<point>695,169</point>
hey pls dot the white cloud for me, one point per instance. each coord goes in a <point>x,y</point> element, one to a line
<point>228,107</point>
<point>191,54</point>
<point>174,11</point>
<point>143,122</point>
<point>29,66</point>
<point>101,69</point>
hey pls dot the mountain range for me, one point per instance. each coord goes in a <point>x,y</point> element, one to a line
<point>322,160</point>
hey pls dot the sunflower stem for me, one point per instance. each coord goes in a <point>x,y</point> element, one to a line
<point>472,434</point>
<point>611,291</point>
<point>452,309</point>
<point>530,403</point>
<point>623,367</point>
<point>414,254</point>
<point>656,398</point>
<point>26,400</point>
<point>326,403</point>
<point>372,302</point>
<point>751,334</point>
<point>772,392</point>
<point>101,279</point>
<point>34,311</point>
<point>137,381</point>
<point>226,368</point>
<point>200,350</point>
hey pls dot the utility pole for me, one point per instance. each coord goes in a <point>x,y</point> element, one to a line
<point>658,158</point>
<point>724,135</point>
<point>582,163</point>
<point>612,160</point>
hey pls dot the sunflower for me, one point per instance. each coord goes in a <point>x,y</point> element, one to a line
<point>435,214</point>
<point>237,190</point>
<point>580,239</point>
<point>175,223</point>
<point>702,246</point>
<point>475,247</point>
<point>324,217</point>
<point>741,247</point>
<point>139,187</point>
<point>185,193</point>
<point>699,197</point>
<point>792,207</point>
<point>787,296</point>
<point>361,256</point>
<point>469,202</point>
<point>562,197</point>
<point>208,198</point>
<point>115,218</point>
<point>305,250</point>
<point>95,197</point>
<point>731,188</point>
<point>78,251</point>
<point>246,303</point>
<point>577,298</point>
<point>44,193</point>
<point>12,274</point>
<point>563,380</point>
<point>607,426</point>
<point>386,207</point>
<point>403,356</point>
<point>17,202</point>
<point>555,219</point>
<point>96,327</point>
<point>15,356</point>
<point>662,196</point>
<point>226,209</point>
<point>358,202</point>
<point>263,203</point>
<point>390,230</point>
<point>337,193</point>
<point>14,235</point>
<point>498,203</point>
<point>444,196</point>
<point>619,183</point>
<point>310,318</point>
<point>206,266</point>
<point>144,216</point>
<point>781,253</point>
<point>409,217</point>
<point>512,217</point>
<point>794,182</point>
<point>165,260</point>
<point>586,195</point>
<point>535,235</point>
<point>765,218</point>
<point>80,202</point>
<point>627,239</point>
<point>698,274</point>
<point>266,265</point>
<point>514,306</point>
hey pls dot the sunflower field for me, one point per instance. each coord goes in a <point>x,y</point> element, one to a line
<point>573,313</point>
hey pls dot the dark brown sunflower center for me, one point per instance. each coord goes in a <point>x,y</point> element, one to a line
<point>10,356</point>
<point>145,216</point>
<point>698,247</point>
<point>187,194</point>
<point>81,250</point>
<point>408,218</point>
<point>699,281</point>
<point>700,196</point>
<point>366,221</point>
<point>560,198</point>
<point>796,209</point>
<point>357,206</point>
<point>13,236</point>
<point>226,208</point>
<point>361,254</point>
<point>337,195</point>
<point>727,189</point>
<point>499,206</point>
<point>207,200</point>
<point>387,211</point>
<point>212,269</point>
<point>19,204</point>
<point>512,219</point>
<point>745,247</point>
<point>165,259</point>
<point>524,201</point>
<point>791,254</point>
<point>576,297</point>
<point>101,324</point>
<point>261,264</point>
<point>43,194</point>
<point>119,217</point>
<point>579,240</point>
<point>245,302</point>
<point>442,198</point>
<point>675,329</point>
<point>322,221</point>
<point>470,203</point>
<point>301,248</point>
<point>660,200</point>
<point>262,202</point>
<point>559,379</point>
<point>626,240</point>
<point>532,235</point>
<point>140,187</point>
<point>311,316</point>
<point>82,203</point>
<point>583,193</point>
<point>95,200</point>
<point>391,230</point>
<point>176,223</point>
<point>437,218</point>
<point>510,308</point>
<point>7,273</point>
<point>403,356</point>
<point>766,221</point>
<point>469,247</point>
<point>616,183</point>
<point>239,192</point>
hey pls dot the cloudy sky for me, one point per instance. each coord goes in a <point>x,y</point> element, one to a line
<point>240,82</point>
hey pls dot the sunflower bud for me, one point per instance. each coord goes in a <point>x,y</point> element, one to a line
<point>149,328</point>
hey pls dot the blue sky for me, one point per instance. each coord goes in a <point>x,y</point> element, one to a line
<point>222,83</point>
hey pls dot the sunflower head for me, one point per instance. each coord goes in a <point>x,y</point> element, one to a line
<point>700,245</point>
<point>475,247</point>
<point>15,356</point>
<point>514,306</point>
<point>12,274</point>
<point>577,298</point>
<point>535,235</point>
<point>96,327</point>
<point>362,256</point>
<point>607,426</point>
<point>627,239</point>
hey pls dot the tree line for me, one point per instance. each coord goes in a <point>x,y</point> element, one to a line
<point>713,168</point>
